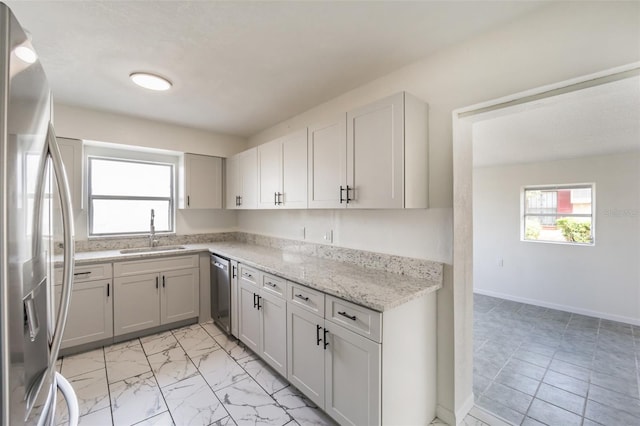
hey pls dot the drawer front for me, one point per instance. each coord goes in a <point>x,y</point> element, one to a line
<point>135,267</point>
<point>309,299</point>
<point>102,271</point>
<point>359,319</point>
<point>249,275</point>
<point>274,285</point>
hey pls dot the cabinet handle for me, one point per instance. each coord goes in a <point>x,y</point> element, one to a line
<point>248,275</point>
<point>348,199</point>
<point>188,201</point>
<point>259,297</point>
<point>326,342</point>
<point>255,300</point>
<point>299,296</point>
<point>233,273</point>
<point>108,289</point>
<point>275,198</point>
<point>156,282</point>
<point>272,284</point>
<point>163,283</point>
<point>239,200</point>
<point>318,339</point>
<point>346,315</point>
<point>77,274</point>
<point>280,195</point>
<point>341,199</point>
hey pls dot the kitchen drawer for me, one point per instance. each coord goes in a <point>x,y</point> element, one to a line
<point>170,263</point>
<point>361,320</point>
<point>249,275</point>
<point>273,284</point>
<point>101,271</point>
<point>311,300</point>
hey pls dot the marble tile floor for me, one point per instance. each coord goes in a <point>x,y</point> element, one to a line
<point>194,375</point>
<point>539,366</point>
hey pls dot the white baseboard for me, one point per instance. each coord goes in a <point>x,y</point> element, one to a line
<point>567,308</point>
<point>464,410</point>
<point>445,415</point>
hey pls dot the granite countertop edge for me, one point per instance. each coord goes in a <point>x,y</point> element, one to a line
<point>351,282</point>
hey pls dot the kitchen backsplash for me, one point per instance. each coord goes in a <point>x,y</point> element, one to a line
<point>419,268</point>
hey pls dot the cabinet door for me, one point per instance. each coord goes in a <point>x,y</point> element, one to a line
<point>327,151</point>
<point>305,353</point>
<point>232,182</point>
<point>136,303</point>
<point>249,316</point>
<point>71,152</point>
<point>269,174</point>
<point>294,170</point>
<point>179,296</point>
<point>203,182</point>
<point>90,313</point>
<point>248,169</point>
<point>234,298</point>
<point>352,363</point>
<point>273,330</point>
<point>375,154</point>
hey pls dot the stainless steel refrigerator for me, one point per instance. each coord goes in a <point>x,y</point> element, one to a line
<point>30,328</point>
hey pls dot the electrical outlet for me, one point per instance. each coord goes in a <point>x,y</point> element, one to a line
<point>328,236</point>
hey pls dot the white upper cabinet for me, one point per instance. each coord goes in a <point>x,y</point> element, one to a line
<point>373,157</point>
<point>282,172</point>
<point>242,180</point>
<point>71,152</point>
<point>387,154</point>
<point>202,182</point>
<point>327,166</point>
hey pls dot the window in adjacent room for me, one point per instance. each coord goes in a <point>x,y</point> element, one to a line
<point>559,214</point>
<point>122,192</point>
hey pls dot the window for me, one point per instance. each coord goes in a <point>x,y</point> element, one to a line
<point>559,214</point>
<point>122,193</point>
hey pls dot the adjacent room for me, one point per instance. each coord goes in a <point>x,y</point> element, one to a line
<point>556,199</point>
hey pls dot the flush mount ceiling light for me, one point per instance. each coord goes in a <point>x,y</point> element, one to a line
<point>150,81</point>
<point>26,54</point>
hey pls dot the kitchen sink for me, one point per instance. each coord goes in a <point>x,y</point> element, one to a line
<point>151,249</point>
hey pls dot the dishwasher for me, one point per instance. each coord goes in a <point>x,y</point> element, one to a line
<point>221,293</point>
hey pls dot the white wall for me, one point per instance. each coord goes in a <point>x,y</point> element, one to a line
<point>561,41</point>
<point>79,123</point>
<point>601,280</point>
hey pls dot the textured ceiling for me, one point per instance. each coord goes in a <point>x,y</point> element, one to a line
<point>239,67</point>
<point>599,120</point>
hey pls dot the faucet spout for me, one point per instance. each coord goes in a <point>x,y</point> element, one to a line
<point>152,231</point>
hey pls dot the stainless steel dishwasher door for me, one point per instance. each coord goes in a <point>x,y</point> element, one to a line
<point>221,293</point>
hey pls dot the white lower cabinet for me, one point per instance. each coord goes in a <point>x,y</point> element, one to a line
<point>263,317</point>
<point>150,293</point>
<point>90,316</point>
<point>336,368</point>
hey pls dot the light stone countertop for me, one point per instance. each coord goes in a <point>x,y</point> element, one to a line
<point>374,289</point>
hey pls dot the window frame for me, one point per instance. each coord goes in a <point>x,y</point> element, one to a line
<point>122,158</point>
<point>524,215</point>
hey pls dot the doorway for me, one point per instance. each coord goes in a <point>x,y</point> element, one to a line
<point>513,318</point>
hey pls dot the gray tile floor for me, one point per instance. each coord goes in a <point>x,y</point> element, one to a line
<point>534,366</point>
<point>193,375</point>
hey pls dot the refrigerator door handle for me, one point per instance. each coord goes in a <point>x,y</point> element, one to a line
<point>68,239</point>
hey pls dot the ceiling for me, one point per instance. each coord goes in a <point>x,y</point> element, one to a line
<point>599,120</point>
<point>239,67</point>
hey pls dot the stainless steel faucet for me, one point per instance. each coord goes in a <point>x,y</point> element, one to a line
<point>152,232</point>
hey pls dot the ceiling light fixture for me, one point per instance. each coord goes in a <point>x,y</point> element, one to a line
<point>26,54</point>
<point>150,81</point>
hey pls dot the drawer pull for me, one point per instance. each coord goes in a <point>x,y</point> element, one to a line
<point>299,296</point>
<point>248,275</point>
<point>326,342</point>
<point>318,338</point>
<point>346,315</point>
<point>77,274</point>
<point>271,284</point>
